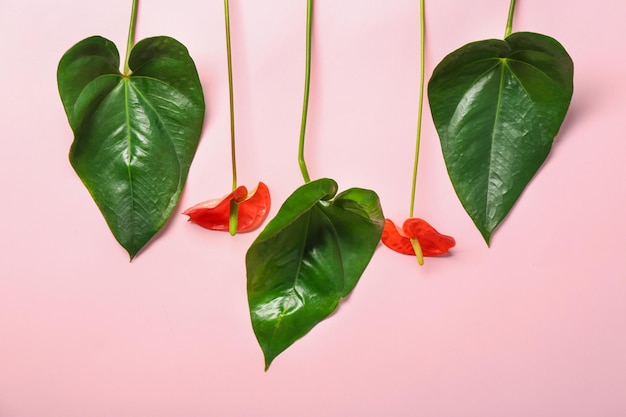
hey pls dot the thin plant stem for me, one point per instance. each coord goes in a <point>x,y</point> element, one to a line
<point>233,219</point>
<point>420,108</point>
<point>414,242</point>
<point>307,83</point>
<point>231,94</point>
<point>131,36</point>
<point>509,21</point>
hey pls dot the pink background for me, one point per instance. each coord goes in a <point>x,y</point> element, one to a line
<point>534,326</point>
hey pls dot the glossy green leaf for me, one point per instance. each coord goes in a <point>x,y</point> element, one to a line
<point>497,106</point>
<point>309,257</point>
<point>134,136</point>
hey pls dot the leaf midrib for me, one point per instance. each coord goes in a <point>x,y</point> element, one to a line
<point>489,190</point>
<point>166,132</point>
<point>126,82</point>
<point>293,290</point>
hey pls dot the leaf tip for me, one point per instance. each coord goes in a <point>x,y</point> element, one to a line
<point>486,232</point>
<point>268,361</point>
<point>132,254</point>
<point>132,249</point>
<point>487,238</point>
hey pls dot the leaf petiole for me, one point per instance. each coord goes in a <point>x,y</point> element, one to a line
<point>509,22</point>
<point>131,36</point>
<point>307,83</point>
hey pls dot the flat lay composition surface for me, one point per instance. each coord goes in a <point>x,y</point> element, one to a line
<point>531,325</point>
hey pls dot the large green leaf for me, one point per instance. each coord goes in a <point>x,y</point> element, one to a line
<point>497,106</point>
<point>134,136</point>
<point>309,257</point>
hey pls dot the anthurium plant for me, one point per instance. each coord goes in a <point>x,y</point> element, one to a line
<point>497,106</point>
<point>135,131</point>
<point>239,211</point>
<point>312,254</point>
<point>417,237</point>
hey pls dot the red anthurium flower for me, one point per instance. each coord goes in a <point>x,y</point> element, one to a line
<point>252,209</point>
<point>431,242</point>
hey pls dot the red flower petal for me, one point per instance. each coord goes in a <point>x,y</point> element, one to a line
<point>254,209</point>
<point>214,214</point>
<point>395,239</point>
<point>432,242</point>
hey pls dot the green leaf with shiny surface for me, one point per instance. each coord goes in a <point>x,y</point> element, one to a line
<point>135,135</point>
<point>497,106</point>
<point>309,257</point>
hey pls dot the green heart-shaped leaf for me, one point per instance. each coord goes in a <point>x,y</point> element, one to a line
<point>497,106</point>
<point>134,136</point>
<point>309,257</point>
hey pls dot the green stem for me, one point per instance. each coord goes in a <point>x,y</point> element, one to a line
<point>233,219</point>
<point>420,108</point>
<point>509,22</point>
<point>231,94</point>
<point>307,83</point>
<point>131,36</point>
<point>414,242</point>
